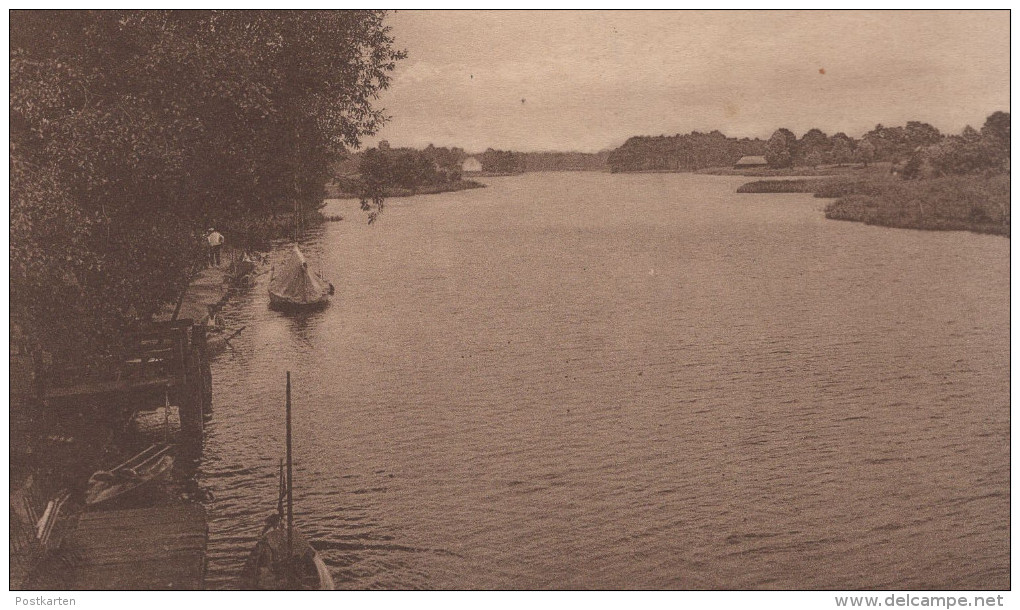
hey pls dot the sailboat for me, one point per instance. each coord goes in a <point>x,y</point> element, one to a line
<point>295,287</point>
<point>283,558</point>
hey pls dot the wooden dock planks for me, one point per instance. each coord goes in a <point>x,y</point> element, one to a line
<point>98,388</point>
<point>208,287</point>
<point>141,549</point>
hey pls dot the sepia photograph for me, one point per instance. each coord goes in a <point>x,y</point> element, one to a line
<point>686,301</point>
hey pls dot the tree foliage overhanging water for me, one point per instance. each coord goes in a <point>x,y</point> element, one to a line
<point>131,131</point>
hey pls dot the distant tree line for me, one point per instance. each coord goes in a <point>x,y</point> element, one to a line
<point>406,168</point>
<point>502,161</point>
<point>916,148</point>
<point>815,148</point>
<point>565,161</point>
<point>401,167</point>
<point>681,152</point>
<point>970,152</point>
<point>510,162</point>
<point>133,131</point>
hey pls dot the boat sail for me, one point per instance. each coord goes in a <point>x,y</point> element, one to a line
<point>294,286</point>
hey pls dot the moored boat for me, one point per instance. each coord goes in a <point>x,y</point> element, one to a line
<point>142,470</point>
<point>282,557</point>
<point>276,564</point>
<point>295,287</point>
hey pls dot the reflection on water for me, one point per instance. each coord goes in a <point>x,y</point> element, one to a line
<point>627,381</point>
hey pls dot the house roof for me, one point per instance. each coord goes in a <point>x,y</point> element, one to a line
<point>752,160</point>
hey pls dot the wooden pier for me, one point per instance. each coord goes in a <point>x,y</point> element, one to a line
<point>163,361</point>
<point>150,548</point>
<point>208,288</point>
<point>144,548</point>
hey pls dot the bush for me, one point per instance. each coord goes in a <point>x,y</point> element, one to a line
<point>780,186</point>
<point>973,203</point>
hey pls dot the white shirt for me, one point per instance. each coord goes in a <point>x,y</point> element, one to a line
<point>215,239</point>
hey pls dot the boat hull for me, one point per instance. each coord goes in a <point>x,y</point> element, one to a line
<point>140,472</point>
<point>267,568</point>
<point>282,303</point>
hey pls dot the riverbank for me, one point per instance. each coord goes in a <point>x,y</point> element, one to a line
<point>980,204</point>
<point>79,422</point>
<point>956,203</point>
<point>256,232</point>
<point>70,421</point>
<point>821,170</point>
<point>336,192</point>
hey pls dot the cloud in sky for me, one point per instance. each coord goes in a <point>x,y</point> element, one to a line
<point>587,80</point>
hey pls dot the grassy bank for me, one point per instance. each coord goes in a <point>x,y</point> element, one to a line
<point>953,203</point>
<point>338,192</point>
<point>781,186</point>
<point>821,170</point>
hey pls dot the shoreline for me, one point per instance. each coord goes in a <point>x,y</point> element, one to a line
<point>979,204</point>
<point>766,172</point>
<point>119,432</point>
<point>804,171</point>
<point>333,192</point>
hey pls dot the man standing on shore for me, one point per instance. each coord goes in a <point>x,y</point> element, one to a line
<point>215,245</point>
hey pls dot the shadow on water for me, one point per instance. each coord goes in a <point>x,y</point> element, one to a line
<point>303,323</point>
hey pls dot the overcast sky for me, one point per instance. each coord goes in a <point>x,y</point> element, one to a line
<point>589,80</point>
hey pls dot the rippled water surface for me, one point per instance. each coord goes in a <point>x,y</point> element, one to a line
<point>583,380</point>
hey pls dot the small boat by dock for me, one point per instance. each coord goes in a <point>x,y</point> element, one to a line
<point>283,559</point>
<point>271,566</point>
<point>294,287</point>
<point>141,471</point>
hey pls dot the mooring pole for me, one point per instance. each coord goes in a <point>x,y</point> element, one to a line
<point>280,492</point>
<point>290,484</point>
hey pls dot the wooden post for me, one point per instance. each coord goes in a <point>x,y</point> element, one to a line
<point>191,394</point>
<point>39,378</point>
<point>198,337</point>
<point>290,483</point>
<point>204,370</point>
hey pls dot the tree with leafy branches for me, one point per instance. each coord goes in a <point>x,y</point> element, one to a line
<point>132,131</point>
<point>779,149</point>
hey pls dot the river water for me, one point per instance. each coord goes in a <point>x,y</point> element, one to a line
<point>585,380</point>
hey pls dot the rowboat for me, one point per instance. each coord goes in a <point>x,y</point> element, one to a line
<point>140,471</point>
<point>282,557</point>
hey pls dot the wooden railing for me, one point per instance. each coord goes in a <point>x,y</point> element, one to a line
<point>153,356</point>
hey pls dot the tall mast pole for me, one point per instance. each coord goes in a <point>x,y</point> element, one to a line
<point>290,485</point>
<point>280,493</point>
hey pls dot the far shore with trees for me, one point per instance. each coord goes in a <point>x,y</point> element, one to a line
<point>402,172</point>
<point>912,177</point>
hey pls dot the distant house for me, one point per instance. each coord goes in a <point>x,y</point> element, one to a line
<point>471,165</point>
<point>750,161</point>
